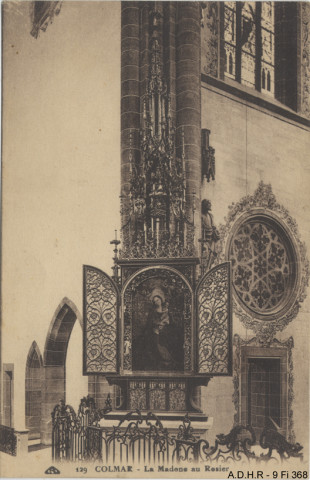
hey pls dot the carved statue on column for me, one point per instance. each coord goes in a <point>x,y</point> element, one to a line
<point>209,235</point>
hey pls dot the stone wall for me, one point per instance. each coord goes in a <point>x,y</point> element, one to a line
<point>254,144</point>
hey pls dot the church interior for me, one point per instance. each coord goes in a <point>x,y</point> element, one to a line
<point>155,216</point>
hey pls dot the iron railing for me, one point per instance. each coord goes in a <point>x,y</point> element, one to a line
<point>8,440</point>
<point>142,439</point>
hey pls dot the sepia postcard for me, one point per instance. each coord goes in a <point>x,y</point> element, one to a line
<point>155,222</point>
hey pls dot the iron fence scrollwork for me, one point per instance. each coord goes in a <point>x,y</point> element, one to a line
<point>8,440</point>
<point>69,440</point>
<point>142,439</point>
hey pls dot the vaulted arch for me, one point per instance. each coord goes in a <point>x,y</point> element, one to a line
<point>60,329</point>
<point>55,352</point>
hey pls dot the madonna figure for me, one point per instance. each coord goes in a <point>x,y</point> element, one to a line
<point>160,346</point>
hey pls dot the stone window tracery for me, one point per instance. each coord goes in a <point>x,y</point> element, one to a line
<point>262,207</point>
<point>249,43</point>
<point>262,264</point>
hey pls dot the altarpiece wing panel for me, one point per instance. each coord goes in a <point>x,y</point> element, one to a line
<point>100,322</point>
<point>214,321</point>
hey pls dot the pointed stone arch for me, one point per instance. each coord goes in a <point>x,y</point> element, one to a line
<point>59,332</point>
<point>54,359</point>
<point>33,391</point>
<point>34,349</point>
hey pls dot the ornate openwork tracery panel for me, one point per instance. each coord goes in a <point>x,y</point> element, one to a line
<point>137,395</point>
<point>177,396</point>
<point>214,321</point>
<point>100,322</point>
<point>261,264</point>
<point>157,395</point>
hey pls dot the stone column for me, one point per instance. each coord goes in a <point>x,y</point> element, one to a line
<point>22,442</point>
<point>53,392</point>
<point>144,49</point>
<point>130,93</point>
<point>188,110</point>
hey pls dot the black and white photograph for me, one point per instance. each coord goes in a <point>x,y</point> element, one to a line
<point>155,223</point>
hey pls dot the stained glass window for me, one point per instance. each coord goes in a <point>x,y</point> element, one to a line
<point>230,38</point>
<point>262,265</point>
<point>249,44</point>
<point>267,39</point>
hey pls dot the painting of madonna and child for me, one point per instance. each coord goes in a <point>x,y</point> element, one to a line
<point>158,327</point>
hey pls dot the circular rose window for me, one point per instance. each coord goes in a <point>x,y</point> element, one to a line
<point>263,265</point>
